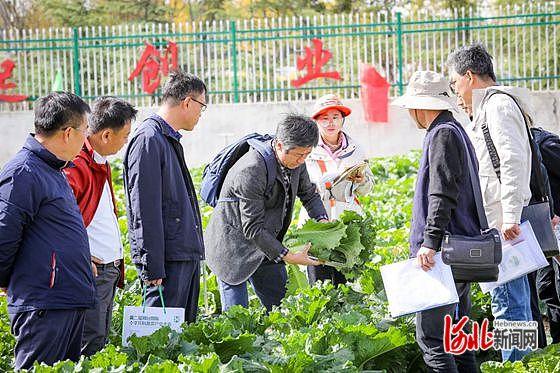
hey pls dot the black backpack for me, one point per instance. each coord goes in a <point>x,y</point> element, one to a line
<point>215,172</point>
<point>549,147</point>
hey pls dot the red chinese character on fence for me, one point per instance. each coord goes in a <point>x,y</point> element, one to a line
<point>313,61</point>
<point>456,341</point>
<point>152,63</point>
<point>7,66</point>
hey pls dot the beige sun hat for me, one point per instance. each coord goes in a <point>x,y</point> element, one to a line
<point>327,102</point>
<point>426,90</point>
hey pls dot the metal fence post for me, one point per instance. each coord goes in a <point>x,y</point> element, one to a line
<point>76,56</point>
<point>233,39</point>
<point>400,53</point>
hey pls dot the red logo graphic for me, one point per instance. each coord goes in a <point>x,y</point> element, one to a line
<point>313,61</point>
<point>152,63</point>
<point>7,66</point>
<point>456,341</point>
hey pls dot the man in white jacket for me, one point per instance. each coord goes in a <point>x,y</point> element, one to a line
<point>504,184</point>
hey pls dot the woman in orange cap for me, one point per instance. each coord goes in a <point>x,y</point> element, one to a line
<point>335,153</point>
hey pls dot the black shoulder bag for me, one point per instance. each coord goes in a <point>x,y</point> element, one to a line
<point>538,212</point>
<point>473,258</point>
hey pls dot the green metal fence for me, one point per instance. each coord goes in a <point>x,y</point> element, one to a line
<point>254,60</point>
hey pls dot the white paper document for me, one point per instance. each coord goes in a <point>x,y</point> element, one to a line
<point>519,257</point>
<point>410,289</point>
<point>146,320</point>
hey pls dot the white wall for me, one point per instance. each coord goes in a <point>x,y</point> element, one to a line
<point>223,124</point>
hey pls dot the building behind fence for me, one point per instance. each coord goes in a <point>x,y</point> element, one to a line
<point>255,60</point>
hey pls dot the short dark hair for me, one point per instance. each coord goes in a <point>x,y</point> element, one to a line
<point>297,130</point>
<point>181,85</point>
<point>110,112</point>
<point>58,110</point>
<point>472,57</point>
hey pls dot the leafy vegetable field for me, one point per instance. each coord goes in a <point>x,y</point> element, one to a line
<point>316,329</point>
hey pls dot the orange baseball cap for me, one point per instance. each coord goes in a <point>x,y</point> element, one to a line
<point>327,102</point>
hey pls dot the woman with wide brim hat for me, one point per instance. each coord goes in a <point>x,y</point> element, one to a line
<point>335,153</point>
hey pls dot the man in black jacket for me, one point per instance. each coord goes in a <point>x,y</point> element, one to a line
<point>443,201</point>
<point>44,250</point>
<point>548,278</point>
<point>164,224</point>
<point>549,146</point>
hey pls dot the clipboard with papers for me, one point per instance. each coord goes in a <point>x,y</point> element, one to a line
<point>519,257</point>
<point>352,171</point>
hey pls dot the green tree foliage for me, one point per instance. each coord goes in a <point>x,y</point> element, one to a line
<point>52,13</point>
<point>74,13</point>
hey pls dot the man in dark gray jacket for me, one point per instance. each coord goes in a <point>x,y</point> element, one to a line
<point>243,239</point>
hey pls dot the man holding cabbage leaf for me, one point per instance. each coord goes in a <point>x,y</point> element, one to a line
<point>244,235</point>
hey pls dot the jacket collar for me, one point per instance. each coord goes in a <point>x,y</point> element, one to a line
<point>87,155</point>
<point>87,152</point>
<point>88,148</point>
<point>166,128</point>
<point>342,142</point>
<point>321,153</point>
<point>45,155</point>
<point>443,117</point>
<point>522,95</point>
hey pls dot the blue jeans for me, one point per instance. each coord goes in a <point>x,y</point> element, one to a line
<point>268,281</point>
<point>512,302</point>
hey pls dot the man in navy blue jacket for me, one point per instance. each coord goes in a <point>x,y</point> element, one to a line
<point>443,201</point>
<point>164,224</point>
<point>44,250</point>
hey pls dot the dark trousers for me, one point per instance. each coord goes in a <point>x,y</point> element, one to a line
<point>181,287</point>
<point>268,281</point>
<point>429,335</point>
<point>98,320</point>
<point>548,285</point>
<point>47,336</point>
<point>535,310</point>
<point>323,273</point>
<point>545,285</point>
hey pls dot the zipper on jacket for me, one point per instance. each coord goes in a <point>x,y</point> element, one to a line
<point>53,270</point>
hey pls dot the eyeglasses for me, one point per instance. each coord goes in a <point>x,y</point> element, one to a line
<point>453,83</point>
<point>452,86</point>
<point>202,104</point>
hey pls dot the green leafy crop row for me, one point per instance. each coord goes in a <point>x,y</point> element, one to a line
<point>320,328</point>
